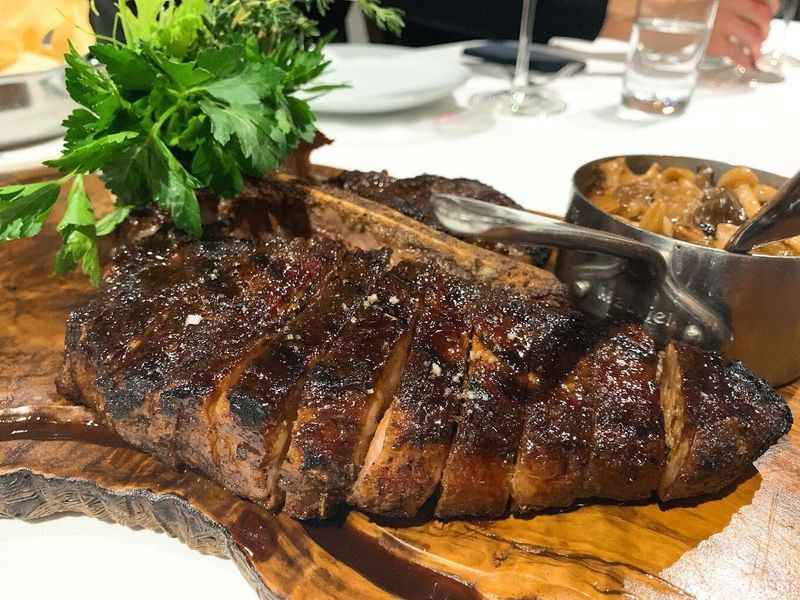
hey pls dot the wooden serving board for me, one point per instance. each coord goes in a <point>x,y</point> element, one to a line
<point>744,543</point>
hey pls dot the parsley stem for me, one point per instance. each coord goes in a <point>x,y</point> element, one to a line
<point>166,115</point>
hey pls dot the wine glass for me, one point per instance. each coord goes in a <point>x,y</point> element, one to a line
<point>772,60</point>
<point>522,98</point>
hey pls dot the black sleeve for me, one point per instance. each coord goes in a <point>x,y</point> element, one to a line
<point>103,20</point>
<point>439,21</point>
<point>569,18</point>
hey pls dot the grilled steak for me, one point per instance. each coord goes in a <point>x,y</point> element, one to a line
<point>596,432</point>
<point>719,418</point>
<point>515,344</point>
<point>410,447</point>
<point>307,373</point>
<point>343,398</point>
<point>412,197</point>
<point>254,418</point>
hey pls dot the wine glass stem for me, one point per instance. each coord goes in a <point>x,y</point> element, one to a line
<point>789,12</point>
<point>522,70</point>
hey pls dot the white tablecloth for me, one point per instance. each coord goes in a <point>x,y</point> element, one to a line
<point>532,159</point>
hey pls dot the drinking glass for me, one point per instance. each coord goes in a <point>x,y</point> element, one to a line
<point>522,98</point>
<point>668,41</point>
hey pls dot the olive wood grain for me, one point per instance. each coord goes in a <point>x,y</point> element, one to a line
<point>744,543</point>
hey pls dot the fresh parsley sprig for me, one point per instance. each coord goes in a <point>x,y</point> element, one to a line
<point>200,95</point>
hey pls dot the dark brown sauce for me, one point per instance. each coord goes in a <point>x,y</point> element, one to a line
<point>386,570</point>
<point>255,534</point>
<point>254,530</point>
<point>48,424</point>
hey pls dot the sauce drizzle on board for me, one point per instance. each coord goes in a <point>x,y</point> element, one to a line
<point>56,423</point>
<point>253,531</point>
<point>371,559</point>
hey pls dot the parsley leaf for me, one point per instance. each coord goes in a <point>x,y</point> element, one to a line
<point>92,154</point>
<point>149,171</point>
<point>87,85</point>
<point>25,208</point>
<point>248,124</point>
<point>79,235</point>
<point>126,68</point>
<point>249,86</point>
<point>173,188</point>
<point>218,169</point>
<point>109,223</point>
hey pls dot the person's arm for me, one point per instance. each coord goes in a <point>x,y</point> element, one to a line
<point>619,19</point>
<point>739,30</point>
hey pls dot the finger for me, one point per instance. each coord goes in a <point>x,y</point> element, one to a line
<point>737,54</point>
<point>756,12</point>
<point>724,45</point>
<point>749,35</point>
<point>728,25</point>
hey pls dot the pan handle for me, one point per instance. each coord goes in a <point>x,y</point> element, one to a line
<point>474,218</point>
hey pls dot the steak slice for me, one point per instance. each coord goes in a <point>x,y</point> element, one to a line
<point>255,417</point>
<point>408,452</point>
<point>199,328</point>
<point>237,331</point>
<point>343,398</point>
<point>109,349</point>
<point>133,281</point>
<point>719,418</point>
<point>476,477</point>
<point>516,344</point>
<point>569,449</point>
<point>628,451</point>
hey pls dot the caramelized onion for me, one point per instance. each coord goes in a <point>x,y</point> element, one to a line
<point>688,206</point>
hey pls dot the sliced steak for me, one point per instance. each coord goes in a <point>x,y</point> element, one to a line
<point>568,450</point>
<point>238,328</point>
<point>343,398</point>
<point>307,369</point>
<point>198,328</point>
<point>628,451</point>
<point>719,418</point>
<point>515,347</point>
<point>408,452</point>
<point>254,418</point>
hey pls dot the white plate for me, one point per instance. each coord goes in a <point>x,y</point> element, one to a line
<point>386,78</point>
<point>29,157</point>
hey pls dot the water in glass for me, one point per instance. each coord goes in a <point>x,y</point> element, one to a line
<point>663,63</point>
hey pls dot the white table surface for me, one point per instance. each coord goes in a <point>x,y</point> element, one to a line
<point>529,159</point>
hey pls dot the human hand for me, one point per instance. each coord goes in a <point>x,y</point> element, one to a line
<point>740,28</point>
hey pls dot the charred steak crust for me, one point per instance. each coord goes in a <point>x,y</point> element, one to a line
<point>255,418</point>
<point>509,360</point>
<point>726,417</point>
<point>406,457</point>
<point>304,373</point>
<point>598,432</point>
<point>412,197</point>
<point>628,451</point>
<point>344,397</point>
